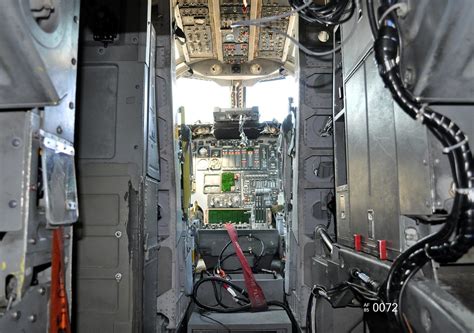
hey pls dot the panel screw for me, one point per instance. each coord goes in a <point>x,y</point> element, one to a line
<point>16,142</point>
<point>32,241</point>
<point>118,277</point>
<point>13,204</point>
<point>16,315</point>
<point>73,61</point>
<point>42,291</point>
<point>118,234</point>
<point>59,129</point>
<point>409,77</point>
<point>32,318</point>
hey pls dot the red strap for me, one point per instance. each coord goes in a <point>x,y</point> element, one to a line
<point>257,298</point>
<point>59,308</point>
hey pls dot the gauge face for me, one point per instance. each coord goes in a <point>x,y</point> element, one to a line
<point>203,164</point>
<point>202,151</point>
<point>215,164</point>
<point>235,200</point>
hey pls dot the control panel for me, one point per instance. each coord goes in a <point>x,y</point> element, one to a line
<point>196,27</point>
<point>272,43</point>
<point>235,183</point>
<point>235,41</point>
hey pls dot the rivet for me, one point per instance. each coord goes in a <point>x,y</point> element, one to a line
<point>118,277</point>
<point>16,315</point>
<point>12,204</point>
<point>32,241</point>
<point>32,318</point>
<point>42,291</point>
<point>73,61</point>
<point>16,142</point>
<point>118,234</point>
<point>71,105</point>
<point>59,129</point>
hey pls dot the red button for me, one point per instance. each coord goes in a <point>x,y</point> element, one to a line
<point>383,249</point>
<point>357,242</point>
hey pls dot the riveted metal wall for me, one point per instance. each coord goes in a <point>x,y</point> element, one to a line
<point>117,244</point>
<point>390,170</point>
<point>174,275</point>
<point>38,60</point>
<point>313,185</point>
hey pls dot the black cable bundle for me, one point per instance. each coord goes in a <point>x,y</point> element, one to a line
<point>456,236</point>
<point>361,294</point>
<point>221,259</point>
<point>244,298</point>
<point>333,13</point>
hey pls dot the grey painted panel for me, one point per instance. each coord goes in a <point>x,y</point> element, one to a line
<point>361,40</point>
<point>413,164</point>
<point>101,209</point>
<point>91,296</point>
<point>357,150</point>
<point>108,246</point>
<point>428,61</point>
<point>103,273</point>
<point>16,130</point>
<point>97,122</point>
<point>383,184</point>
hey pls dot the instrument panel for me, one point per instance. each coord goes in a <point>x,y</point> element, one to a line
<point>237,184</point>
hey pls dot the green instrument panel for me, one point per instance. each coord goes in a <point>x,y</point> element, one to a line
<point>227,181</point>
<point>228,215</point>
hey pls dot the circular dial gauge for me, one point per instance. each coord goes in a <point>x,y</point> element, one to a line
<point>215,164</point>
<point>202,151</point>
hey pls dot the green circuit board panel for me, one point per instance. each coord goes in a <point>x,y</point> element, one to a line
<point>227,181</point>
<point>228,215</point>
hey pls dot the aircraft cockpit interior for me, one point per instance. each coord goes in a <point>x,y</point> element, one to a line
<point>236,166</point>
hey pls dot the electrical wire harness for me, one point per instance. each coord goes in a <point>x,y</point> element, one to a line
<point>333,13</point>
<point>456,236</point>
<point>221,282</point>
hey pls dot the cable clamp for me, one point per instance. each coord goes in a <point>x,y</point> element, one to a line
<point>426,251</point>
<point>447,150</point>
<point>465,191</point>
<point>389,65</point>
<point>421,115</point>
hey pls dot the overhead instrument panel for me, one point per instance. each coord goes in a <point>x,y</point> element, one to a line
<point>271,41</point>
<point>218,40</point>
<point>196,27</point>
<point>235,41</point>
